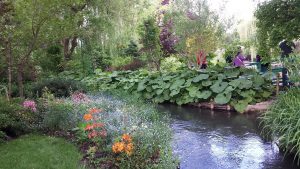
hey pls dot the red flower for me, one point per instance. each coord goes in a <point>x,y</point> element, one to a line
<point>89,127</point>
<point>94,110</point>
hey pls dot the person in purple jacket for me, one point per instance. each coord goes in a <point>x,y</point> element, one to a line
<point>239,59</point>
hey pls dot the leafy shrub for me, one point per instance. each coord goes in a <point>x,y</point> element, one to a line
<point>293,65</point>
<point>171,64</point>
<point>59,87</point>
<point>281,122</point>
<point>119,61</point>
<point>132,49</point>
<point>134,65</point>
<point>235,86</point>
<point>58,116</point>
<point>14,120</point>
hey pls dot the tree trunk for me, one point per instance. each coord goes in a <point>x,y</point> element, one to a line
<point>157,64</point>
<point>20,79</point>
<point>69,45</point>
<point>9,67</point>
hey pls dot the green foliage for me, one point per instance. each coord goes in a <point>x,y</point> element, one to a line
<point>132,49</point>
<point>281,122</point>
<point>171,63</point>
<point>149,34</point>
<point>119,61</point>
<point>14,120</point>
<point>58,116</point>
<point>198,27</point>
<point>58,86</point>
<point>45,152</point>
<point>51,60</point>
<point>292,63</point>
<point>237,87</point>
<point>276,20</point>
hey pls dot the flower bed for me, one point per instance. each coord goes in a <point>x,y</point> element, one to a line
<point>119,134</point>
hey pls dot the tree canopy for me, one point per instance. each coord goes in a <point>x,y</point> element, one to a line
<point>277,20</point>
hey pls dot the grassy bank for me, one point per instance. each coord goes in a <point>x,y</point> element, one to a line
<point>33,151</point>
<point>282,122</point>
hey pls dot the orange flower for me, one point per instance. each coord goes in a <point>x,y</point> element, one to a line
<point>98,125</point>
<point>89,127</point>
<point>92,134</point>
<point>118,147</point>
<point>129,149</point>
<point>94,110</point>
<point>88,117</point>
<point>127,138</point>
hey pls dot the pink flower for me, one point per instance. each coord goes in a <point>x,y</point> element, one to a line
<point>79,97</point>
<point>29,104</point>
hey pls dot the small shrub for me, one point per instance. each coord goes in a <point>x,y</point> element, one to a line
<point>14,120</point>
<point>59,87</point>
<point>58,115</point>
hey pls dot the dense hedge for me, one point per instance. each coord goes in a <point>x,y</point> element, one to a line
<point>234,86</point>
<point>58,86</point>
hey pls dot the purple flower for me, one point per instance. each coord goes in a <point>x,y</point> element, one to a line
<point>165,2</point>
<point>29,104</point>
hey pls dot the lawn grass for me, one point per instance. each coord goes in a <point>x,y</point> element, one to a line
<point>39,152</point>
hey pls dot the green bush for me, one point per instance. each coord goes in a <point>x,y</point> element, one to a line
<point>14,120</point>
<point>58,116</point>
<point>282,122</point>
<point>59,87</point>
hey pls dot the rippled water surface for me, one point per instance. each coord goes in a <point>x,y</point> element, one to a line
<point>220,140</point>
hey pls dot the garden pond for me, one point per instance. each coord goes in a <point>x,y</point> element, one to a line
<point>205,139</point>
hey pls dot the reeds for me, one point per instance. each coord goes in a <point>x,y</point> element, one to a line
<point>282,122</point>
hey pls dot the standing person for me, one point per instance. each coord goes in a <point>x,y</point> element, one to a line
<point>239,59</point>
<point>201,59</point>
<point>286,49</point>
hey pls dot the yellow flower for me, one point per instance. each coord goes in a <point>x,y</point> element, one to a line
<point>129,149</point>
<point>118,147</point>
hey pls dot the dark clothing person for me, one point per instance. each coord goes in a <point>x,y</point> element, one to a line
<point>286,49</point>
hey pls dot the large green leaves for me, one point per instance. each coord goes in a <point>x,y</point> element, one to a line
<point>204,94</point>
<point>177,84</point>
<point>222,98</point>
<point>200,77</point>
<point>187,86</point>
<point>219,86</point>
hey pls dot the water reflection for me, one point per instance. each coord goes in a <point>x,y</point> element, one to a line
<point>221,140</point>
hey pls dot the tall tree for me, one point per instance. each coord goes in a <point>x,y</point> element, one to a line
<point>277,20</point>
<point>197,27</point>
<point>150,40</point>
